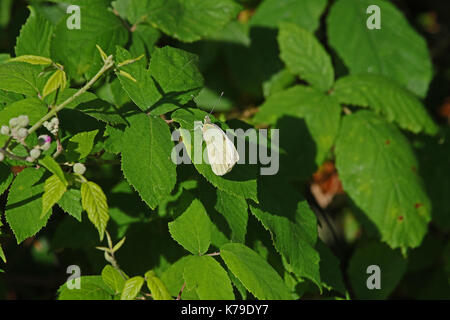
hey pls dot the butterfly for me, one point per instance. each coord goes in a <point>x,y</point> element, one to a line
<point>222,153</point>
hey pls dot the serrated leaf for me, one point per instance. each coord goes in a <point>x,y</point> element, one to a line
<point>51,165</point>
<point>208,279</point>
<point>305,13</point>
<point>304,56</point>
<point>152,173</point>
<point>56,81</point>
<point>375,161</point>
<point>131,288</point>
<point>91,288</point>
<point>320,111</point>
<point>94,202</point>
<point>80,145</point>
<point>24,206</point>
<point>144,39</point>
<point>113,279</point>
<point>185,20</point>
<point>156,287</point>
<point>76,48</point>
<point>192,229</point>
<point>330,271</point>
<point>35,36</point>
<point>54,189</point>
<point>386,97</point>
<point>6,177</point>
<point>21,78</point>
<point>235,211</point>
<point>32,60</point>
<point>254,272</point>
<point>392,267</point>
<point>70,202</point>
<point>292,225</point>
<point>241,181</point>
<point>396,50</point>
<point>2,255</point>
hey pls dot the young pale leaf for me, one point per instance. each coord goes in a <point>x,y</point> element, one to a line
<point>156,287</point>
<point>241,181</point>
<point>113,279</point>
<point>24,205</point>
<point>32,60</point>
<point>395,50</point>
<point>94,202</point>
<point>392,267</point>
<point>35,36</point>
<point>56,81</point>
<point>118,245</point>
<point>51,165</point>
<point>305,13</point>
<point>208,279</point>
<point>192,229</point>
<point>146,162</point>
<point>375,161</point>
<point>387,98</point>
<point>254,272</point>
<point>80,145</point>
<point>131,288</point>
<point>304,56</point>
<point>91,288</point>
<point>54,189</point>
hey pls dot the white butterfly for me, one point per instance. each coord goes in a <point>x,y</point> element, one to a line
<point>222,153</point>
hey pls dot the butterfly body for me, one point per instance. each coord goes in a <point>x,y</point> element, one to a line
<point>222,154</point>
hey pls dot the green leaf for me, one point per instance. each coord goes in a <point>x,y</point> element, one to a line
<point>392,267</point>
<point>32,60</point>
<point>254,272</point>
<point>192,229</point>
<point>113,279</point>
<point>241,181</point>
<point>71,203</point>
<point>76,49</point>
<point>54,189</point>
<point>94,202</point>
<point>208,279</point>
<point>6,177</point>
<point>57,80</point>
<point>235,212</point>
<point>34,108</point>
<point>278,82</point>
<point>51,165</point>
<point>375,161</point>
<point>185,20</point>
<point>24,205</point>
<point>80,145</point>
<point>35,36</point>
<point>321,113</point>
<point>144,39</point>
<point>304,56</point>
<point>5,12</point>
<point>156,287</point>
<point>330,271</point>
<point>292,225</point>
<point>305,13</point>
<point>91,288</point>
<point>396,50</point>
<point>146,162</point>
<point>2,255</point>
<point>131,288</point>
<point>177,75</point>
<point>173,278</point>
<point>20,77</point>
<point>386,97</point>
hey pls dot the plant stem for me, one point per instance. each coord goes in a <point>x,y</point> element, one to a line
<point>107,65</point>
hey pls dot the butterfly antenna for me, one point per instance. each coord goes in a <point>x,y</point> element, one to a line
<point>216,104</point>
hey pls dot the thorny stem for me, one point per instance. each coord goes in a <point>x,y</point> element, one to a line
<point>109,63</point>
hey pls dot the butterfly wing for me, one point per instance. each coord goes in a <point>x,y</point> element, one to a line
<point>222,154</point>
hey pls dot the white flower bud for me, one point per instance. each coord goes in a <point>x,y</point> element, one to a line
<point>35,153</point>
<point>79,168</point>
<point>45,146</point>
<point>29,159</point>
<point>23,120</point>
<point>2,156</point>
<point>22,133</point>
<point>4,130</point>
<point>55,121</point>
<point>13,122</point>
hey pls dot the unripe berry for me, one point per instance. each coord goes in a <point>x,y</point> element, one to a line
<point>2,156</point>
<point>4,130</point>
<point>55,121</point>
<point>35,153</point>
<point>13,122</point>
<point>22,133</point>
<point>79,168</point>
<point>23,120</point>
